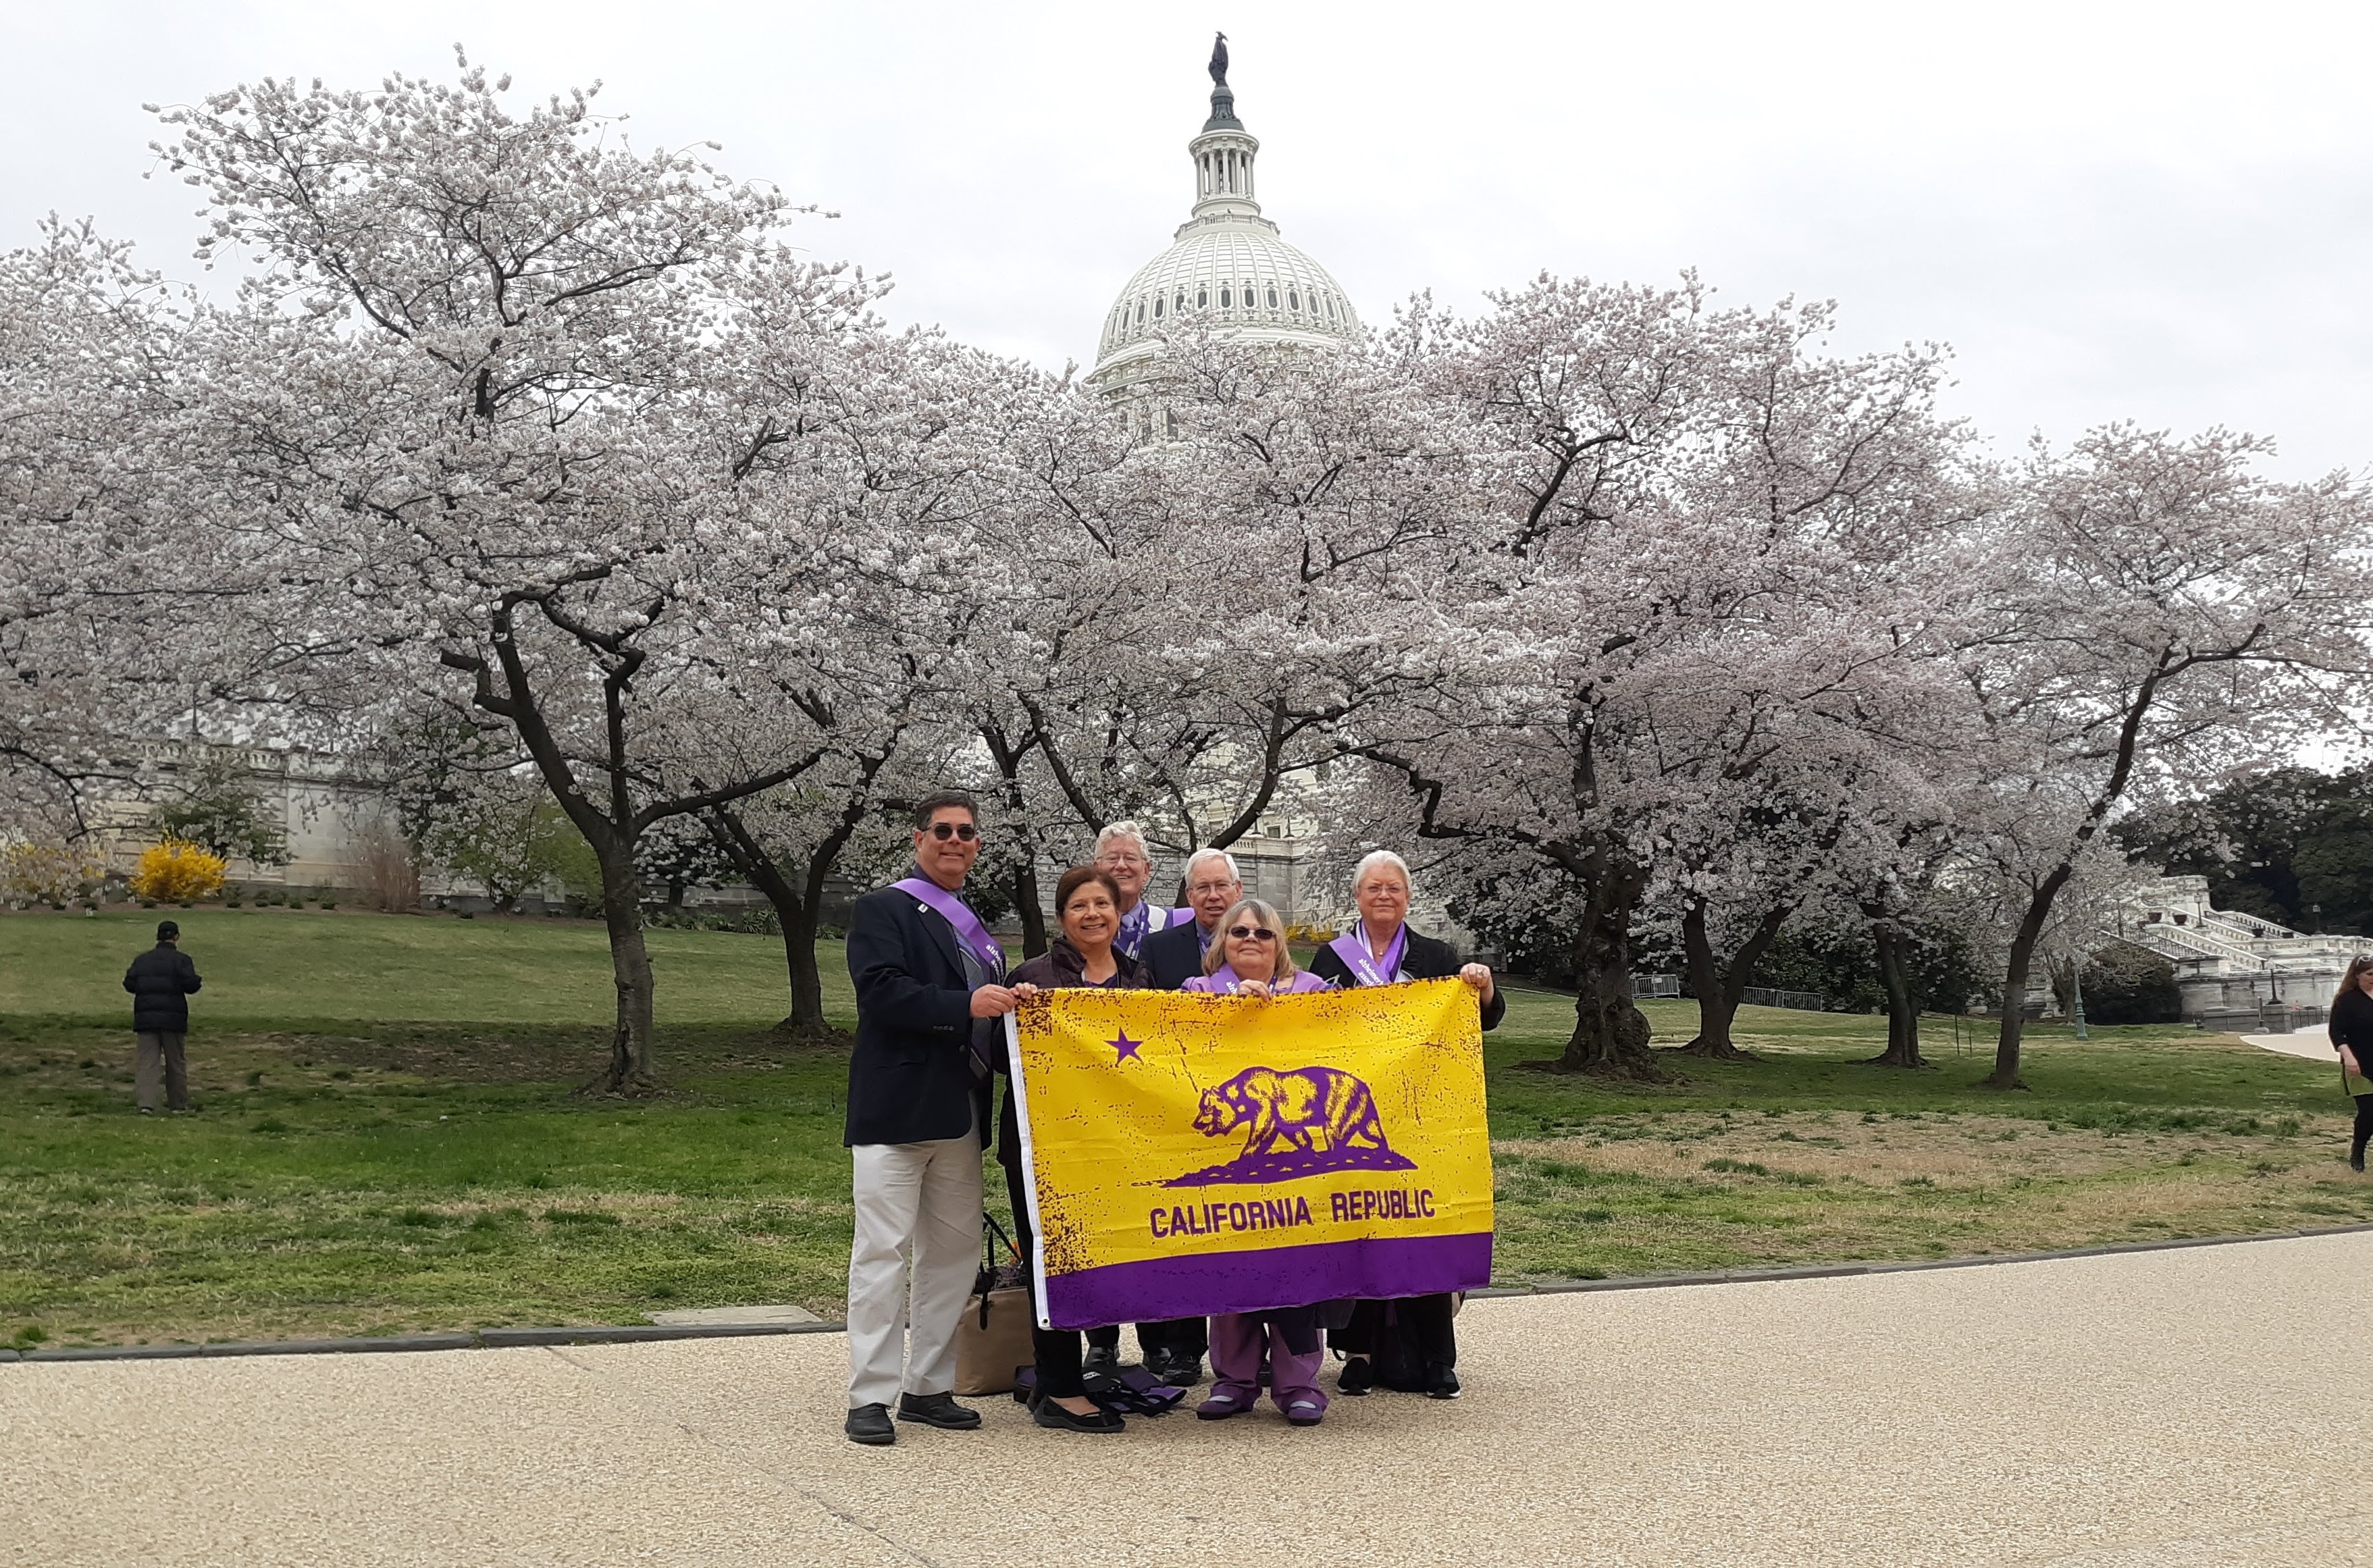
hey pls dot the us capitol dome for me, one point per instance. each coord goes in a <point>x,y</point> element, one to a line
<point>1226,266</point>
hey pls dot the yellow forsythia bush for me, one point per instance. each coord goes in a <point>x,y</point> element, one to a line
<point>178,872</point>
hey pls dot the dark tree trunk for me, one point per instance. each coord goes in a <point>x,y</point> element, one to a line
<point>1610,1033</point>
<point>1025,904</point>
<point>629,1071</point>
<point>1902,1010</point>
<point>798,909</point>
<point>2013,996</point>
<point>1721,988</point>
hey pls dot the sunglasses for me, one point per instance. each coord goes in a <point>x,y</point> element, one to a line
<point>1251,933</point>
<point>943,830</point>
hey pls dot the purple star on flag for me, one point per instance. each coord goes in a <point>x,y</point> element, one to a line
<point>1126,1047</point>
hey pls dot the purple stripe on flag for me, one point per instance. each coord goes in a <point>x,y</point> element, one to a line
<point>1159,1288</point>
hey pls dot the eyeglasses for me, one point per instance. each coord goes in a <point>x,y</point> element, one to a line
<point>1123,860</point>
<point>943,830</point>
<point>1197,889</point>
<point>1251,933</point>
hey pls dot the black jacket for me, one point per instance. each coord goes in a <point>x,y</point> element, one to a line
<point>1425,958</point>
<point>2352,1024</point>
<point>910,1078</point>
<point>1175,955</point>
<point>1059,968</point>
<point>160,981</point>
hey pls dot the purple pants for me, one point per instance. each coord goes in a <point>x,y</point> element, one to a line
<point>1239,1340</point>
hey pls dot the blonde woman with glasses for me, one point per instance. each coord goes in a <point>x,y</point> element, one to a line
<point>1248,958</point>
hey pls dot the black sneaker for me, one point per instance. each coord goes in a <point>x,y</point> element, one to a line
<point>1100,1361</point>
<point>937,1409</point>
<point>870,1425</point>
<point>1441,1383</point>
<point>1358,1376</point>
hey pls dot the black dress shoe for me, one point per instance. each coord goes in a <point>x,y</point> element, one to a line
<point>1441,1383</point>
<point>1054,1417</point>
<point>2356,1159</point>
<point>937,1409</point>
<point>870,1425</point>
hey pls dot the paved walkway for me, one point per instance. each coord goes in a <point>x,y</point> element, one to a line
<point>2312,1044</point>
<point>2169,1410</point>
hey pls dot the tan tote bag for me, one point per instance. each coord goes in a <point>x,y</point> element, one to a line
<point>993,1337</point>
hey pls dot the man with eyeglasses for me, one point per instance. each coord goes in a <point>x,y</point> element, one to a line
<point>1122,852</point>
<point>1175,1349</point>
<point>930,993</point>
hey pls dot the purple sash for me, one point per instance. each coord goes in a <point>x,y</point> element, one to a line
<point>1223,981</point>
<point>958,913</point>
<point>1351,947</point>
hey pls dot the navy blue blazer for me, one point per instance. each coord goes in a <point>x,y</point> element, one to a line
<point>1425,958</point>
<point>1175,955</point>
<point>910,1078</point>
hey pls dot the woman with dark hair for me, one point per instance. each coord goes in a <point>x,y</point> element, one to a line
<point>1087,906</point>
<point>1248,958</point>
<point>2352,1036</point>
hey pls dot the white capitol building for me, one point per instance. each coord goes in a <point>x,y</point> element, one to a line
<point>1226,268</point>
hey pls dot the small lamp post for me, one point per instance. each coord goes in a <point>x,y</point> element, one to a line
<point>2076,997</point>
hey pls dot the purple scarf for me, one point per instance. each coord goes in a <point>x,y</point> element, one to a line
<point>958,913</point>
<point>1137,924</point>
<point>1351,947</point>
<point>1223,981</point>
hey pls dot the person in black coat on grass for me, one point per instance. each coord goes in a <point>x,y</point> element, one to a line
<point>1380,950</point>
<point>161,981</point>
<point>931,995</point>
<point>2352,1036</point>
<point>1087,906</point>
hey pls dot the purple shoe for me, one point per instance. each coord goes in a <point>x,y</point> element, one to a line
<point>1220,1407</point>
<point>1305,1412</point>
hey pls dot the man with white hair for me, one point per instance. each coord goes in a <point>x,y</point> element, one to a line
<point>1121,852</point>
<point>1213,885</point>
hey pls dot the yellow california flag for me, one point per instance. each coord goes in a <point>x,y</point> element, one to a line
<point>1192,1154</point>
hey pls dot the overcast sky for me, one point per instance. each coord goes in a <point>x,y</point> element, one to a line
<point>2162,212</point>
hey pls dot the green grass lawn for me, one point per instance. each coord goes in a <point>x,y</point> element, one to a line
<point>386,1138</point>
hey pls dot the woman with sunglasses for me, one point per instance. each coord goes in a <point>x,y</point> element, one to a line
<point>1380,950</point>
<point>2352,1036</point>
<point>1248,958</point>
<point>1088,907</point>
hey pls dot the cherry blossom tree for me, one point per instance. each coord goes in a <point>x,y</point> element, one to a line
<point>480,388</point>
<point>2156,612</point>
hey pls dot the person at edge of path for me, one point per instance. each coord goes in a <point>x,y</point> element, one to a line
<point>1381,949</point>
<point>1121,852</point>
<point>1087,907</point>
<point>2352,1036</point>
<point>931,1000</point>
<point>1175,1350</point>
<point>161,981</point>
<point>1250,960</point>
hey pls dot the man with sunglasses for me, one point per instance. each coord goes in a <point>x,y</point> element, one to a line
<point>930,995</point>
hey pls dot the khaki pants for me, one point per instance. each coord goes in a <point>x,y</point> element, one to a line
<point>156,1046</point>
<point>917,1204</point>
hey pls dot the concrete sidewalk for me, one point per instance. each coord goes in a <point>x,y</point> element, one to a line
<point>2168,1410</point>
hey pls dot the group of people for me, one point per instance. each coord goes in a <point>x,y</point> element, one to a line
<point>932,992</point>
